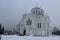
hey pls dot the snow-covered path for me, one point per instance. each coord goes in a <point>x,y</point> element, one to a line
<point>14,37</point>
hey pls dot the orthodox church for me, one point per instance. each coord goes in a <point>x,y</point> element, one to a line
<point>35,23</point>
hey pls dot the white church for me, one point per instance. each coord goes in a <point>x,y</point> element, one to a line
<point>35,23</point>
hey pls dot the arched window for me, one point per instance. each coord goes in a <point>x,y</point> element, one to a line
<point>39,12</point>
<point>39,25</point>
<point>33,12</point>
<point>36,11</point>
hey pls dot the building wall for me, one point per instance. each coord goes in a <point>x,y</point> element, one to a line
<point>33,28</point>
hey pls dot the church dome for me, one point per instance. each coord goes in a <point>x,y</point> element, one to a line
<point>37,11</point>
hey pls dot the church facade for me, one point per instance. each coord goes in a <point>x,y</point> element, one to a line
<point>35,23</point>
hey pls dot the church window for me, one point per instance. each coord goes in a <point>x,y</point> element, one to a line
<point>39,25</point>
<point>36,11</point>
<point>39,17</point>
<point>47,32</point>
<point>39,12</point>
<point>29,22</point>
<point>33,12</point>
<point>21,24</point>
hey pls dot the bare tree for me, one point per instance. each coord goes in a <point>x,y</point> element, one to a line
<point>55,29</point>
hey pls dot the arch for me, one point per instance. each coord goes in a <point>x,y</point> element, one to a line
<point>24,31</point>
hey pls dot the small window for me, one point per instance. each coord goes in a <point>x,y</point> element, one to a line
<point>33,12</point>
<point>36,11</point>
<point>39,25</point>
<point>39,17</point>
<point>39,12</point>
<point>21,24</point>
<point>47,32</point>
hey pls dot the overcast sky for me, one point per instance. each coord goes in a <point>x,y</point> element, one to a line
<point>11,11</point>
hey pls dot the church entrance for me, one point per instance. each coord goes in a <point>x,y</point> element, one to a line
<point>24,32</point>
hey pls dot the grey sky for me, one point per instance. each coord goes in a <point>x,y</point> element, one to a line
<point>11,11</point>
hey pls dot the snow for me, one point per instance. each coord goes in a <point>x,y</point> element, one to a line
<point>15,37</point>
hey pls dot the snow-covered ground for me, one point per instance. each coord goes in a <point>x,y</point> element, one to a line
<point>15,37</point>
